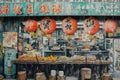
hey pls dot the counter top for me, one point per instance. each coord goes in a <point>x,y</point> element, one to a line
<point>97,62</point>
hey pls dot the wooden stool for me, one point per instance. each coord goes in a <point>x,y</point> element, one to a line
<point>85,73</point>
<point>22,75</point>
<point>106,76</point>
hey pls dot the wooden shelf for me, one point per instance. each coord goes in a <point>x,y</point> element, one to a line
<point>92,52</point>
<point>53,51</point>
<point>97,62</point>
<point>113,38</point>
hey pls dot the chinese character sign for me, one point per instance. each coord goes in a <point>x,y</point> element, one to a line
<point>17,9</point>
<point>56,8</point>
<point>4,9</point>
<point>30,9</point>
<point>61,8</point>
<point>44,8</point>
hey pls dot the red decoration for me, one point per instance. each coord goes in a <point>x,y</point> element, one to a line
<point>91,25</point>
<point>31,25</point>
<point>48,25</point>
<point>69,25</point>
<point>110,26</point>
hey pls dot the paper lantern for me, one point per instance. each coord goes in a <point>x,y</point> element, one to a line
<point>91,25</point>
<point>69,25</point>
<point>110,26</point>
<point>31,25</point>
<point>48,25</point>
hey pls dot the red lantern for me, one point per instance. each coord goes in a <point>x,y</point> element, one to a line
<point>110,26</point>
<point>91,25</point>
<point>31,25</point>
<point>69,25</point>
<point>48,25</point>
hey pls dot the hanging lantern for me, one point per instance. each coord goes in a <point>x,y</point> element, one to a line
<point>110,26</point>
<point>48,25</point>
<point>69,26</point>
<point>31,25</point>
<point>91,25</point>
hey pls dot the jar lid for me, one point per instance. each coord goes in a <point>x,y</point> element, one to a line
<point>41,73</point>
<point>86,69</point>
<point>53,72</point>
<point>61,73</point>
<point>22,72</point>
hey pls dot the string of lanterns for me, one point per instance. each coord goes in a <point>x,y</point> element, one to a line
<point>69,25</point>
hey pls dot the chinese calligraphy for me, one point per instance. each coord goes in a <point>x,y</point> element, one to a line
<point>90,23</point>
<point>4,9</point>
<point>56,8</point>
<point>68,26</point>
<point>30,8</point>
<point>44,8</point>
<point>46,24</point>
<point>53,8</point>
<point>17,9</point>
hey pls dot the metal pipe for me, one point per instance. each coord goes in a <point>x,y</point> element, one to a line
<point>58,24</point>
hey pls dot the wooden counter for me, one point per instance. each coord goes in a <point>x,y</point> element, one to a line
<point>97,62</point>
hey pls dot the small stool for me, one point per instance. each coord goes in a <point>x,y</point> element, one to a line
<point>22,75</point>
<point>106,76</point>
<point>85,73</point>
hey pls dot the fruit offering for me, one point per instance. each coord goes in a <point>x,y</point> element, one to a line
<point>30,57</point>
<point>77,58</point>
<point>91,58</point>
<point>62,58</point>
<point>50,58</point>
